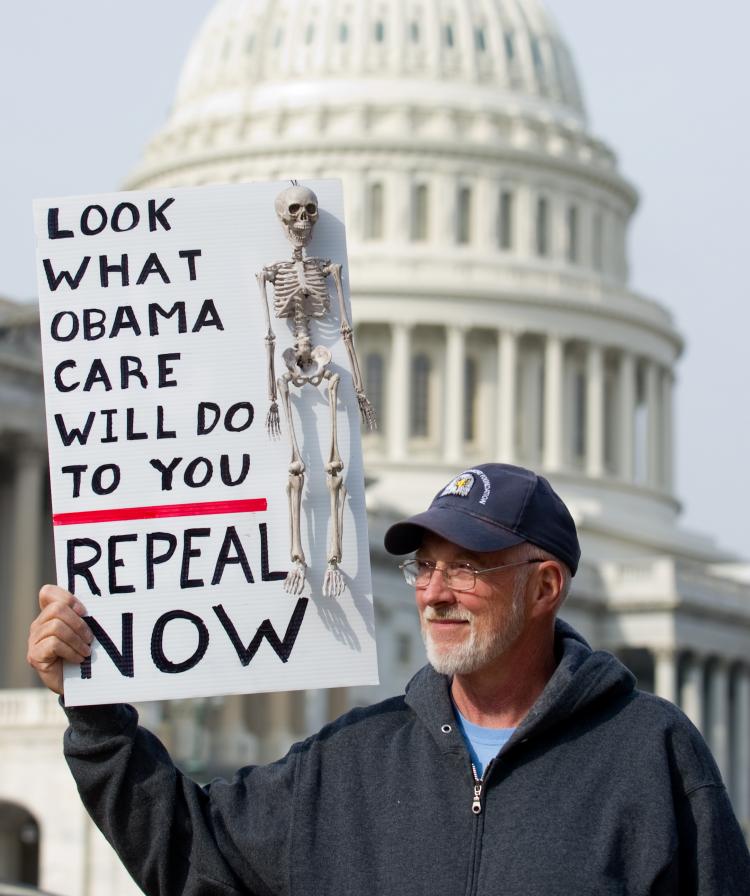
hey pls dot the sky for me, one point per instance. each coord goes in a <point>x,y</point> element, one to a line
<point>84,85</point>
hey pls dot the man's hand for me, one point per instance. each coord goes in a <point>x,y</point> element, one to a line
<point>58,633</point>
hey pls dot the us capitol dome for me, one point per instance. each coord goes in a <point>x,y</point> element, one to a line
<point>487,239</point>
<point>487,233</point>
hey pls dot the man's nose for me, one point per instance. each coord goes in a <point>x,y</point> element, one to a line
<point>437,590</point>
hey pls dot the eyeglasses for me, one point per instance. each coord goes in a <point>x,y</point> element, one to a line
<point>457,576</point>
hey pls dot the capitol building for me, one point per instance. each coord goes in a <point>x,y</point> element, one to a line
<point>487,230</point>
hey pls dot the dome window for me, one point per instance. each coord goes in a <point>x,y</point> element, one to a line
<point>448,35</point>
<point>536,55</point>
<point>571,249</point>
<point>505,220</point>
<point>414,32</point>
<point>597,242</point>
<point>463,228</point>
<point>419,421</point>
<point>471,388</point>
<point>250,44</point>
<point>343,33</point>
<point>510,47</point>
<point>611,420</point>
<point>310,33</point>
<point>379,32</point>
<point>579,416</point>
<point>479,40</point>
<point>278,37</point>
<point>374,212</point>
<point>420,213</point>
<point>542,227</point>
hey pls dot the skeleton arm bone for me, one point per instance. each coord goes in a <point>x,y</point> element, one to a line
<point>365,408</point>
<point>272,418</point>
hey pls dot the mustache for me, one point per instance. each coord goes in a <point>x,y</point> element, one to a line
<point>451,613</point>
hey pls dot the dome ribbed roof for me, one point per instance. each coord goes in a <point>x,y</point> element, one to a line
<point>502,54</point>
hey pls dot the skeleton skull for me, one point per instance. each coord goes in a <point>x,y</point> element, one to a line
<point>297,208</point>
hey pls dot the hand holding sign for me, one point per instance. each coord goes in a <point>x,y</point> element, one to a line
<point>58,634</point>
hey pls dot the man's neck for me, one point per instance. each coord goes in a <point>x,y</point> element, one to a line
<point>501,695</point>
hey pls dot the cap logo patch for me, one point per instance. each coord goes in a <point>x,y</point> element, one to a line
<point>485,482</point>
<point>460,486</point>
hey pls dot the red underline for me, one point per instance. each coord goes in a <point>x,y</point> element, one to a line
<point>249,505</point>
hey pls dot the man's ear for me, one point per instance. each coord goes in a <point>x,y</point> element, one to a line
<point>549,581</point>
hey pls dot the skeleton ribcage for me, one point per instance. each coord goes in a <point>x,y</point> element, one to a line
<point>308,290</point>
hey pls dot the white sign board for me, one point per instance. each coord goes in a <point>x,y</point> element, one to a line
<point>169,497</point>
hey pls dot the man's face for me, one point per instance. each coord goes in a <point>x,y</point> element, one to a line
<point>466,631</point>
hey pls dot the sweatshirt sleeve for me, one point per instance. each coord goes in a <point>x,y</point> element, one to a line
<point>714,856</point>
<point>173,836</point>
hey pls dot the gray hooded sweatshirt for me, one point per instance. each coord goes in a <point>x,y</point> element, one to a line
<point>601,790</point>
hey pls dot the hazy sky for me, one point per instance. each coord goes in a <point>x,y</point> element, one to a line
<point>84,84</point>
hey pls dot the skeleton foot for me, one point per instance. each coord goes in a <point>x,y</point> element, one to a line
<point>273,427</point>
<point>295,578</point>
<point>333,581</point>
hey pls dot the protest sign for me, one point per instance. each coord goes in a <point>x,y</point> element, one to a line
<point>170,507</point>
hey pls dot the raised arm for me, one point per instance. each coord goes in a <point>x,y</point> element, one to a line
<point>365,408</point>
<point>173,836</point>
<point>272,418</point>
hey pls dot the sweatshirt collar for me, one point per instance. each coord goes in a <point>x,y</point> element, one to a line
<point>582,676</point>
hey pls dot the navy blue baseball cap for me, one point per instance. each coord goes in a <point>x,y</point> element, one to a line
<point>491,507</point>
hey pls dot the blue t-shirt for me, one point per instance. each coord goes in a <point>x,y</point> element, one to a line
<point>483,743</point>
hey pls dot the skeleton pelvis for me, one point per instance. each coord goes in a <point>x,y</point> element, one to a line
<point>312,372</point>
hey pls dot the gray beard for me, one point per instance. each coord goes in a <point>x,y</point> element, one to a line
<point>480,648</point>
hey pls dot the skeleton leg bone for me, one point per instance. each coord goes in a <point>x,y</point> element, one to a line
<point>295,580</point>
<point>333,582</point>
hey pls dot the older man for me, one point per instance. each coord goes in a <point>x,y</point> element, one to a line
<point>518,762</point>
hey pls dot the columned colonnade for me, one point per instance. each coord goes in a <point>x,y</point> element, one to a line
<point>24,515</point>
<point>715,694</point>
<point>622,391</point>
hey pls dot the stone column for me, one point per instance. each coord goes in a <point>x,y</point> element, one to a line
<point>487,201</point>
<point>741,795</point>
<point>236,745</point>
<point>553,402</point>
<point>595,410</point>
<point>718,734</point>
<point>25,574</point>
<point>446,210</point>
<point>507,365</point>
<point>338,702</point>
<point>627,416</point>
<point>665,673</point>
<point>523,245</point>
<point>455,375</point>
<point>691,698</point>
<point>280,729</point>
<point>399,382</point>
<point>397,211</point>
<point>653,427</point>
<point>316,710</point>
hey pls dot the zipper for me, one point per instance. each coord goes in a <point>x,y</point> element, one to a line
<point>476,802</point>
<point>478,787</point>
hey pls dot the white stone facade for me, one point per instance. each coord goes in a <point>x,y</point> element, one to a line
<point>487,240</point>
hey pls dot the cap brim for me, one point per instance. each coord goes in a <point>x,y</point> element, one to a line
<point>456,526</point>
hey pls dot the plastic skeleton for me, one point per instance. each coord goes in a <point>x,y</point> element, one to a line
<point>300,292</point>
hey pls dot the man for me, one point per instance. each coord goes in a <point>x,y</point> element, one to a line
<point>518,762</point>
